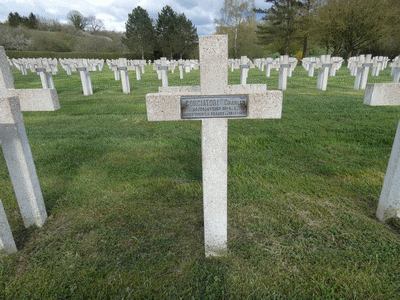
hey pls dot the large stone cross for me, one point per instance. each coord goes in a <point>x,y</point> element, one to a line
<point>389,202</point>
<point>16,150</point>
<point>214,102</point>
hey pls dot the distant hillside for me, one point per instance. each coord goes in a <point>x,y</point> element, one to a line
<point>65,39</point>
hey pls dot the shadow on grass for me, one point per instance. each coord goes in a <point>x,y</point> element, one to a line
<point>394,223</point>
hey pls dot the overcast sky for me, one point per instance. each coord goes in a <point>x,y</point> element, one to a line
<point>114,13</point>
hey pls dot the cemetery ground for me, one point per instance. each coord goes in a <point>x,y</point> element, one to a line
<point>124,197</point>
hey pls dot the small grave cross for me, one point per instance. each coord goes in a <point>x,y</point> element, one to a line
<point>245,65</point>
<point>389,202</point>
<point>16,150</point>
<point>122,67</point>
<point>214,102</point>
<point>361,68</point>
<point>45,69</point>
<point>395,69</point>
<point>84,68</point>
<point>162,69</point>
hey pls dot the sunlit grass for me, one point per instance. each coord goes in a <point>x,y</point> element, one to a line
<point>124,197</point>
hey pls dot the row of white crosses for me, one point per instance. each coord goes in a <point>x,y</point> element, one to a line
<point>17,152</point>
<point>44,67</point>
<point>214,102</point>
<point>326,65</point>
<point>310,64</point>
<point>162,66</point>
<point>267,63</point>
<point>284,64</point>
<point>84,67</point>
<point>361,65</point>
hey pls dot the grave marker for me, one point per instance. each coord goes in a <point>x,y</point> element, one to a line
<point>395,72</point>
<point>15,145</point>
<point>121,65</point>
<point>84,68</point>
<point>389,201</point>
<point>214,102</point>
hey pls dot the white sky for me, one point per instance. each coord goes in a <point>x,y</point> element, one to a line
<point>114,13</point>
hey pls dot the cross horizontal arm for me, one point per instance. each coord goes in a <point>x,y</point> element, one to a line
<point>167,107</point>
<point>36,99</point>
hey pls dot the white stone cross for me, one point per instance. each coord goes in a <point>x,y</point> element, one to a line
<point>395,72</point>
<point>122,67</point>
<point>361,67</point>
<point>269,64</point>
<point>381,64</point>
<point>180,66</point>
<point>214,102</point>
<point>324,65</point>
<point>389,201</point>
<point>112,65</point>
<point>45,68</point>
<point>162,68</point>
<point>285,66</point>
<point>15,145</point>
<point>245,65</point>
<point>84,68</point>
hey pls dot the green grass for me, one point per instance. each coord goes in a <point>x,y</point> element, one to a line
<point>124,197</point>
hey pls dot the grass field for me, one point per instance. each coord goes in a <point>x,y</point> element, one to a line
<point>124,197</point>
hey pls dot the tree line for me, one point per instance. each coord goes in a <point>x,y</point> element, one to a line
<point>171,35</point>
<point>340,27</point>
<point>310,27</point>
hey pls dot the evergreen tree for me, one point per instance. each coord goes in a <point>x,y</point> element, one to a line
<point>281,24</point>
<point>165,30</point>
<point>140,34</point>
<point>185,38</point>
<point>176,34</point>
<point>14,19</point>
<point>32,22</point>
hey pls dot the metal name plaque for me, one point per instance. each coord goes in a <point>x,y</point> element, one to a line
<point>224,106</point>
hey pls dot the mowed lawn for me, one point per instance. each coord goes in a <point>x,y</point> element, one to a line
<point>124,197</point>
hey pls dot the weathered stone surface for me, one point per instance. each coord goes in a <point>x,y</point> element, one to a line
<point>382,94</point>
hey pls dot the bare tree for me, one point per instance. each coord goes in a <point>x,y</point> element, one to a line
<point>77,19</point>
<point>95,25</point>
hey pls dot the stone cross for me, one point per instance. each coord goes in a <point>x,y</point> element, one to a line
<point>162,70</point>
<point>381,64</point>
<point>361,67</point>
<point>112,65</point>
<point>285,65</point>
<point>309,64</point>
<point>84,68</point>
<point>20,65</point>
<point>137,66</point>
<point>214,102</point>
<point>389,201</point>
<point>180,66</point>
<point>122,67</point>
<point>395,64</point>
<point>45,68</point>
<point>245,65</point>
<point>15,145</point>
<point>269,64</point>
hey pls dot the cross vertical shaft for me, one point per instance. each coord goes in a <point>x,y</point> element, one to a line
<point>214,145</point>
